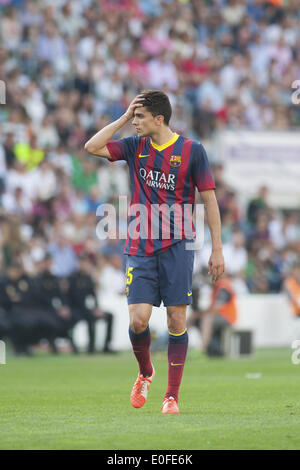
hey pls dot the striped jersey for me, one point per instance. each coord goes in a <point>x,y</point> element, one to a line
<point>163,181</point>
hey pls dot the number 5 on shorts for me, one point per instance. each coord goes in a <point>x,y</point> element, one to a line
<point>129,276</point>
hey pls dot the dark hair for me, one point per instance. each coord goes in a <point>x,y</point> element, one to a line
<point>157,102</point>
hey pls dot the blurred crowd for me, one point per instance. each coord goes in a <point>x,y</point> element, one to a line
<point>261,243</point>
<point>71,67</point>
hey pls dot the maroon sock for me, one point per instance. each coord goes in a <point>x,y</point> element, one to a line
<point>177,350</point>
<point>141,348</point>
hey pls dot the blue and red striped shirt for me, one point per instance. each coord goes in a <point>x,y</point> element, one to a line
<point>162,177</point>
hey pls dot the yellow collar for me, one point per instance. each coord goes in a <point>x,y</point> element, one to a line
<point>167,144</point>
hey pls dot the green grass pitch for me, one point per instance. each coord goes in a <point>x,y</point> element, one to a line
<point>82,402</point>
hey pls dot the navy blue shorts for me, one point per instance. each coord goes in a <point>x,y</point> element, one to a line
<point>165,277</point>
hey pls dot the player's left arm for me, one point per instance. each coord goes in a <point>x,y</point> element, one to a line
<point>216,263</point>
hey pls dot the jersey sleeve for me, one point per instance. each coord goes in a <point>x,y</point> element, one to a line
<point>201,172</point>
<point>123,149</point>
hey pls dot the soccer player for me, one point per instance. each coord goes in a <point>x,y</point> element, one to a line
<point>165,168</point>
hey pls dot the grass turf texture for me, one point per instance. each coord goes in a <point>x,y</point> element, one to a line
<point>82,402</point>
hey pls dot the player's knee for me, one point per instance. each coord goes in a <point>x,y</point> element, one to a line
<point>176,321</point>
<point>138,325</point>
<point>176,327</point>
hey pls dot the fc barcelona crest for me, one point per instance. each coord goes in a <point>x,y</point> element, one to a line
<point>175,160</point>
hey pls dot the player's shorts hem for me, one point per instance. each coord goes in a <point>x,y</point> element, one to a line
<point>173,304</point>
<point>144,301</point>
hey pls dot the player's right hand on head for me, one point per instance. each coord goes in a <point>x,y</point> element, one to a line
<point>137,102</point>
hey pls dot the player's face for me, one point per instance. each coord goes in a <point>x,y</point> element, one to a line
<point>144,123</point>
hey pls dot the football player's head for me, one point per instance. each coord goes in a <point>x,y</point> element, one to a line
<point>155,113</point>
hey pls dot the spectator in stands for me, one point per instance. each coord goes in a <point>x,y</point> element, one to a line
<point>64,258</point>
<point>18,301</point>
<point>112,277</point>
<point>11,241</point>
<point>55,317</point>
<point>292,288</point>
<point>235,253</point>
<point>83,302</point>
<point>257,205</point>
<point>221,314</point>
<point>8,147</point>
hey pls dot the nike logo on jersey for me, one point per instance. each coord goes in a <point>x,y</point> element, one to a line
<point>189,294</point>
<point>142,156</point>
